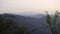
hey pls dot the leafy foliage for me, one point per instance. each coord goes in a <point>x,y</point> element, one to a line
<point>52,23</point>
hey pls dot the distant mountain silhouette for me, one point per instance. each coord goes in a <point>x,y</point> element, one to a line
<point>38,16</point>
<point>36,21</point>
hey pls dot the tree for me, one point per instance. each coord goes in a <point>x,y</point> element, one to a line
<point>52,23</point>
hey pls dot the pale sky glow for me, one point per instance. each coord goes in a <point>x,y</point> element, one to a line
<point>34,6</point>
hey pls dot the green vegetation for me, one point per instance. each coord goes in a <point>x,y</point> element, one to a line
<point>52,23</point>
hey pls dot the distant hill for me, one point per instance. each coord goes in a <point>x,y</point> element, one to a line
<point>38,16</point>
<point>31,22</point>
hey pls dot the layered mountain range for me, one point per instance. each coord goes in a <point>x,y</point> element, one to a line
<point>36,21</point>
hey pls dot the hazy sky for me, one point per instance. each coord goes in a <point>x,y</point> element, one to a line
<point>29,6</point>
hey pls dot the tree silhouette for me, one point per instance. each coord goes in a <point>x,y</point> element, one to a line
<point>52,23</point>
